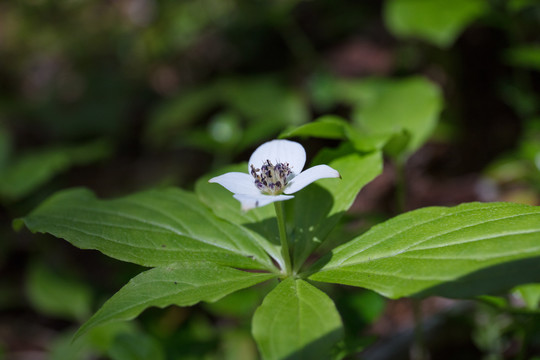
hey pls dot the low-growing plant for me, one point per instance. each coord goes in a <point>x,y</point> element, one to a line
<point>216,240</point>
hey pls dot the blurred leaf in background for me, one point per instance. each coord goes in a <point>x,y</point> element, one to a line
<point>96,343</point>
<point>390,106</point>
<point>57,295</point>
<point>439,22</point>
<point>399,114</point>
<point>530,294</point>
<point>27,172</point>
<point>242,112</point>
<point>135,347</point>
<point>525,56</point>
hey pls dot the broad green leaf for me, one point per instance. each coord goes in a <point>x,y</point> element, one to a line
<point>326,127</point>
<point>29,171</point>
<point>364,142</point>
<point>183,284</point>
<point>317,208</point>
<point>335,127</point>
<point>463,251</point>
<point>151,228</point>
<point>296,321</point>
<point>412,104</point>
<point>56,295</point>
<point>437,21</point>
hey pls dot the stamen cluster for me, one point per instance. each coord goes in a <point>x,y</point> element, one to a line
<point>272,178</point>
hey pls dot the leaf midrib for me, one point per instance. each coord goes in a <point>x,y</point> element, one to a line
<point>165,227</point>
<point>393,235</point>
<point>192,287</point>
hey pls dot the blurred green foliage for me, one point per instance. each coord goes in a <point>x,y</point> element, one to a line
<point>28,171</point>
<point>57,296</point>
<point>437,21</point>
<point>243,112</point>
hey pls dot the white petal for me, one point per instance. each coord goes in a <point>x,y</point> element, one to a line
<point>280,151</point>
<point>252,201</point>
<point>237,182</point>
<point>310,175</point>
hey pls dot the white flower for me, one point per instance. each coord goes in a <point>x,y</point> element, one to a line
<point>275,169</point>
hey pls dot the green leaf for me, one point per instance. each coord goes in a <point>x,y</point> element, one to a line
<point>398,115</point>
<point>317,208</point>
<point>463,251</point>
<point>182,284</point>
<point>326,127</point>
<point>56,295</point>
<point>437,21</point>
<point>151,228</point>
<point>31,170</point>
<point>296,321</point>
<point>412,104</point>
<point>335,127</point>
<point>364,142</point>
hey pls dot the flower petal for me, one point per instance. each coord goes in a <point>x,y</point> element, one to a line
<point>252,201</point>
<point>237,182</point>
<point>280,151</point>
<point>310,175</point>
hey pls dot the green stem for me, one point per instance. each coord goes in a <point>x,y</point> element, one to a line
<point>278,205</point>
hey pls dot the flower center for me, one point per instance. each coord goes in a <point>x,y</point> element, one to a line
<point>272,178</point>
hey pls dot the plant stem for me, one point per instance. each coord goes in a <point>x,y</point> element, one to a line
<point>278,205</point>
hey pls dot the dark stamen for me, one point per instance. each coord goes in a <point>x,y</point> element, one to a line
<point>271,179</point>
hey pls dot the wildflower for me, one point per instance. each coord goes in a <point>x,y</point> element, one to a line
<point>275,172</point>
